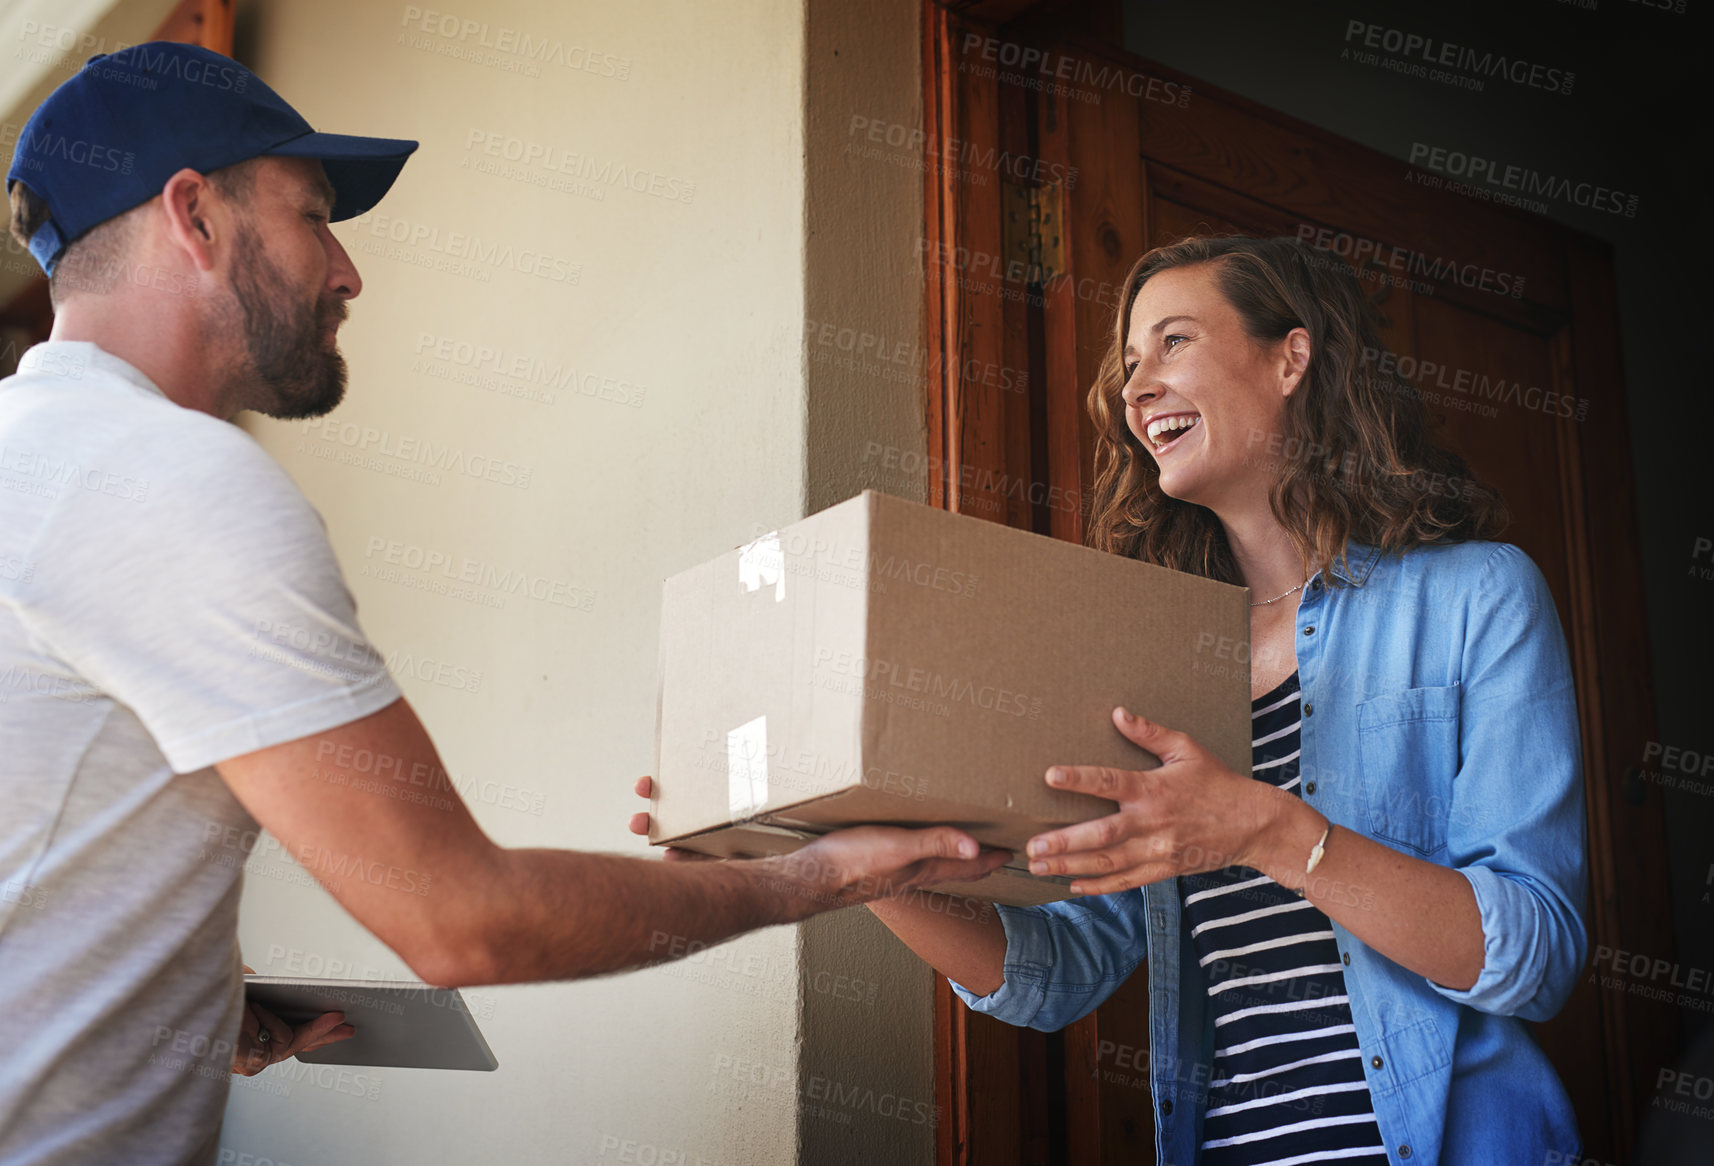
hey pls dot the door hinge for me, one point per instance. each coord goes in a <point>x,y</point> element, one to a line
<point>1032,231</point>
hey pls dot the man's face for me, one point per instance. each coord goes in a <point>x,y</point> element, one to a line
<point>290,279</point>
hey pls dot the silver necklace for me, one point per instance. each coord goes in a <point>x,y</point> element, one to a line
<point>1280,596</point>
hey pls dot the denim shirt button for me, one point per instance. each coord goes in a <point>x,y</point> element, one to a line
<point>1345,959</point>
<point>1310,630</point>
<point>1310,788</point>
<point>1377,1062</point>
<point>1404,1150</point>
<point>1308,709</point>
<point>1166,1107</point>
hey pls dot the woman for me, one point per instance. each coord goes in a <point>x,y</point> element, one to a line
<point>1342,948</point>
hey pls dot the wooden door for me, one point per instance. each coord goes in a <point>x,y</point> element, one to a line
<point>1503,321</point>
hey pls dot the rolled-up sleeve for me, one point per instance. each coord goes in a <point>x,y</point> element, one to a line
<point>1516,824</point>
<point>1064,959</point>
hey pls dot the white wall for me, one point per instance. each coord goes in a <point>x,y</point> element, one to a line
<point>697,306</point>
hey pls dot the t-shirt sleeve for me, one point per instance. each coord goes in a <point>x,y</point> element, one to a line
<point>208,602</point>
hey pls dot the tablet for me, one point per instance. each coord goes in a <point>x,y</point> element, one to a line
<point>400,1024</point>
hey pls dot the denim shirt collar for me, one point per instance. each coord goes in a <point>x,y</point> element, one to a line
<point>1361,558</point>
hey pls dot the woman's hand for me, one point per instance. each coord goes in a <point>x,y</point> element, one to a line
<point>645,788</point>
<point>1192,814</point>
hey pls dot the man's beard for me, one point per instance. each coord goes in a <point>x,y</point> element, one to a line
<point>290,371</point>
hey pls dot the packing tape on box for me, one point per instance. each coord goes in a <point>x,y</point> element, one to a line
<point>761,563</point>
<point>747,768</point>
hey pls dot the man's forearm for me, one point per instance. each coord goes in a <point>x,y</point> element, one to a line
<point>561,914</point>
<point>461,910</point>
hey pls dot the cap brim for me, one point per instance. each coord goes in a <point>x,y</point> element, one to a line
<point>362,170</point>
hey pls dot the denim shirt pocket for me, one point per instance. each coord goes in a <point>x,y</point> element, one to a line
<point>1408,748</point>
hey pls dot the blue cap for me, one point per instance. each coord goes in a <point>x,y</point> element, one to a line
<point>109,138</point>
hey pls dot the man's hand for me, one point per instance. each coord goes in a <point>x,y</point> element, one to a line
<point>264,1039</point>
<point>863,863</point>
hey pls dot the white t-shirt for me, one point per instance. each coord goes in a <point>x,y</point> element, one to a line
<point>168,599</point>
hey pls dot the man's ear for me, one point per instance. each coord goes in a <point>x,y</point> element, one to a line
<point>1296,360</point>
<point>194,223</point>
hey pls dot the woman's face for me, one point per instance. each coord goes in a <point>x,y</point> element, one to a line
<point>1202,397</point>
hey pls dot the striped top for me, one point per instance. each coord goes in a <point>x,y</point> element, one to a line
<point>1286,1085</point>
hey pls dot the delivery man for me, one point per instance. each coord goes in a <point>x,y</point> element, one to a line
<point>180,659</point>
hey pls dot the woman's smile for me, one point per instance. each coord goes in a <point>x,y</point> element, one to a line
<point>1166,430</point>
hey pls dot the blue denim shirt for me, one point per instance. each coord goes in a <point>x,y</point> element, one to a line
<point>1439,719</point>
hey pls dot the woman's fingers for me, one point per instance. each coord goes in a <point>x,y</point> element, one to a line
<point>1167,744</point>
<point>1126,880</point>
<point>644,788</point>
<point>640,824</point>
<point>1095,834</point>
<point>1116,785</point>
<point>1129,852</point>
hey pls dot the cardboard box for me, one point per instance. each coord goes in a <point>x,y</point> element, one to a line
<point>885,662</point>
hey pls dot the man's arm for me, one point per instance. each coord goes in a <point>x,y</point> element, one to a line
<point>460,910</point>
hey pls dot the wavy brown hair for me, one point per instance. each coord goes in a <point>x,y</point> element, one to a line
<point>1355,459</point>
